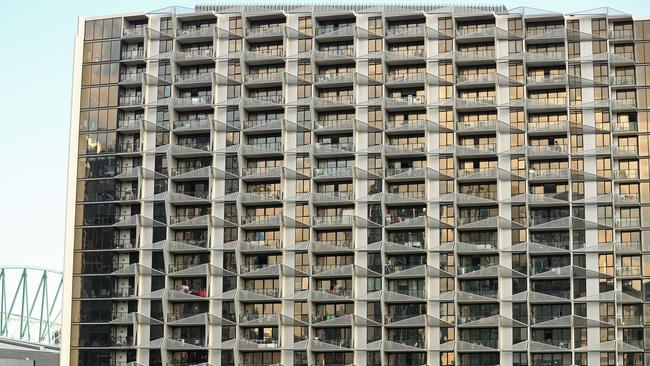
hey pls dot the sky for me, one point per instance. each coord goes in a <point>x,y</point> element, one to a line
<point>36,66</point>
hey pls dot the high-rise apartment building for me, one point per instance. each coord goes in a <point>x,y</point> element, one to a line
<point>359,185</point>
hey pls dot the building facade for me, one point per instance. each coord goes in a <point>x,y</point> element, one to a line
<point>359,185</point>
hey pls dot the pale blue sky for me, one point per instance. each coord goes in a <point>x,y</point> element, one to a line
<point>36,64</point>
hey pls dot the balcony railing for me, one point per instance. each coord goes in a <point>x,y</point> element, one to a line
<point>628,222</point>
<point>263,77</point>
<point>339,30</point>
<point>621,34</point>
<point>406,31</point>
<point>127,147</point>
<point>132,54</point>
<point>334,77</point>
<point>133,32</point>
<point>130,100</point>
<point>267,30</point>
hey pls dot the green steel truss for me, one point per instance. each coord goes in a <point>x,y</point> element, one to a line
<point>28,315</point>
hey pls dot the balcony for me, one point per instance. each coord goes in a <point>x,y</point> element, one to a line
<point>542,104</point>
<point>562,343</point>
<point>127,148</point>
<point>195,145</point>
<point>267,32</point>
<point>194,102</point>
<point>626,174</point>
<point>541,58</point>
<point>332,198</point>
<point>405,79</point>
<point>408,31</point>
<point>410,56</point>
<point>621,35</point>
<point>258,343</point>
<point>261,221</point>
<point>261,149</point>
<point>194,79</point>
<point>623,104</point>
<point>331,245</point>
<point>178,219</point>
<point>193,125</point>
<point>627,222</point>
<point>547,150</point>
<point>130,101</point>
<point>546,81</point>
<point>412,292</point>
<point>334,78</point>
<point>123,292</point>
<point>628,271</point>
<point>405,149</point>
<point>264,56</point>
<point>134,32</point>
<point>474,57</point>
<point>625,127</point>
<point>191,57</point>
<point>337,32</point>
<point>622,81</point>
<point>205,32</point>
<point>332,221</point>
<point>264,79</point>
<point>476,150</point>
<point>131,78</point>
<point>476,33</point>
<point>327,150</point>
<point>132,55</point>
<point>411,342</point>
<point>405,102</point>
<point>327,55</point>
<point>334,125</point>
<point>333,102</point>
<point>629,320</point>
<point>475,103</point>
